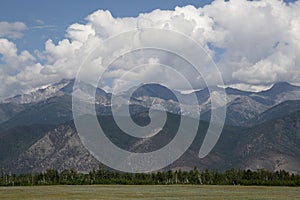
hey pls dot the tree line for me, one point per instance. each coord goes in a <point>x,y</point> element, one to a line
<point>101,176</point>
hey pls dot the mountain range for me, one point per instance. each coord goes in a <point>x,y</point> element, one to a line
<point>262,129</point>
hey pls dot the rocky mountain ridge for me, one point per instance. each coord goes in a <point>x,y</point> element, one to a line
<point>37,132</point>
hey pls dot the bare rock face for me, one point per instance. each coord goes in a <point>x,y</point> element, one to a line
<point>59,149</point>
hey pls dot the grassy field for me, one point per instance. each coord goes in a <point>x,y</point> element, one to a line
<point>149,192</point>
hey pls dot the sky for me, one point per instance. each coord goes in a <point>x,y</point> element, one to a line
<point>254,43</point>
<point>50,19</point>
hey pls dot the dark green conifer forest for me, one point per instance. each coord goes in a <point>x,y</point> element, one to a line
<point>101,176</point>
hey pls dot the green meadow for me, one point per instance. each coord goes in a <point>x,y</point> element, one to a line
<point>125,192</point>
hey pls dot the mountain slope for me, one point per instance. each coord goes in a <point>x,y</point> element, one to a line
<point>59,149</point>
<point>153,90</point>
<point>9,110</point>
<point>273,145</point>
<point>278,111</point>
<point>271,142</point>
<point>278,88</point>
<point>242,107</point>
<point>17,140</point>
<point>53,111</point>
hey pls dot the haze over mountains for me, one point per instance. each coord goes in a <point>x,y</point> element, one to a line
<point>262,129</point>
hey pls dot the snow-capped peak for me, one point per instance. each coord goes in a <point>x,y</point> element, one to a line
<point>41,93</point>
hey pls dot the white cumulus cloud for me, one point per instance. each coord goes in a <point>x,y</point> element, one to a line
<point>254,43</point>
<point>12,30</point>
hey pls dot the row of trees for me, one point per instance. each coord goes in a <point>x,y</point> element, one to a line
<point>100,176</point>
